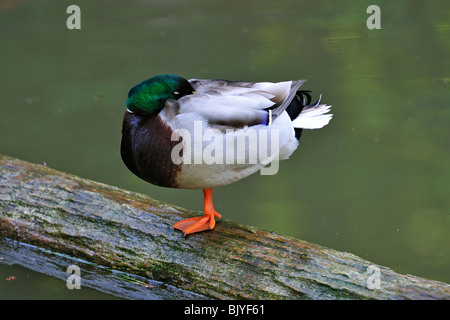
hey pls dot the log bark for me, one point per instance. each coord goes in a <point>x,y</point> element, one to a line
<point>132,233</point>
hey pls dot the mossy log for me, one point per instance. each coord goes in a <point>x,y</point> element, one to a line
<point>133,233</point>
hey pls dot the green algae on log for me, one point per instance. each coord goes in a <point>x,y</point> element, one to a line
<point>131,232</point>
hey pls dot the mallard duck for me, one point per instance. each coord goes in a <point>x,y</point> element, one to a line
<point>203,133</point>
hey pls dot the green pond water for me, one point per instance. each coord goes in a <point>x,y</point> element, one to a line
<point>374,182</point>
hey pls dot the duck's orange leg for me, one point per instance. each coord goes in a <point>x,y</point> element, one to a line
<point>198,224</point>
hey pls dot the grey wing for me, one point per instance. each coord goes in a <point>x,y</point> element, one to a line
<point>236,104</point>
<point>280,93</point>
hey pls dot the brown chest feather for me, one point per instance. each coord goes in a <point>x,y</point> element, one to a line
<point>146,150</point>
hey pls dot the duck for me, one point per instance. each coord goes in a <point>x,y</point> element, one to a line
<point>206,133</point>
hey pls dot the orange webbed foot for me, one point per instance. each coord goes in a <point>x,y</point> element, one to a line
<point>196,224</point>
<point>199,224</point>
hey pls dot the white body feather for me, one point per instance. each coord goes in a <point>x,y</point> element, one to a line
<point>230,110</point>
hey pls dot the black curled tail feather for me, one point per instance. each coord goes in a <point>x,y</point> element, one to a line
<point>301,100</point>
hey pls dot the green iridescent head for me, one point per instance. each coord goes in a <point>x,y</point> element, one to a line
<point>150,96</point>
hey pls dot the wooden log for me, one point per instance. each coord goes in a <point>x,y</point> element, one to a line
<point>133,233</point>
